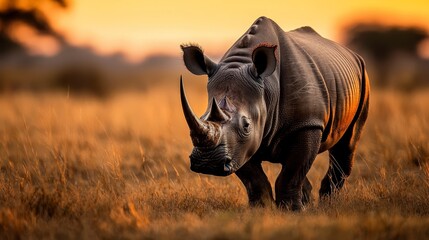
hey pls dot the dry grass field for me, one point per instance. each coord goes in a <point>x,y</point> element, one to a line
<point>84,168</point>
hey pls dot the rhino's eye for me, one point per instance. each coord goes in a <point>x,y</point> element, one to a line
<point>245,123</point>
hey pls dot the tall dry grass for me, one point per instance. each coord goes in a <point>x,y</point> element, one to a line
<point>84,168</point>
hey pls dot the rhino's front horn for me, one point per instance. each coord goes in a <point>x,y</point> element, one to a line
<point>203,134</point>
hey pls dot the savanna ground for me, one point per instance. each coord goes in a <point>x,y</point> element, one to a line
<point>84,168</point>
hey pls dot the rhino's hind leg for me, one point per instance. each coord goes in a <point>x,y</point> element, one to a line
<point>257,185</point>
<point>306,192</point>
<point>340,166</point>
<point>298,153</point>
<point>341,157</point>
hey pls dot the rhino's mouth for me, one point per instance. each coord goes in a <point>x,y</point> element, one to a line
<point>214,161</point>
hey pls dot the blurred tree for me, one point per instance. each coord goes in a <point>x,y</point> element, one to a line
<point>29,13</point>
<point>391,53</point>
<point>384,41</point>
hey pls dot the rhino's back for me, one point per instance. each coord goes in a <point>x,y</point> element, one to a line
<point>321,82</point>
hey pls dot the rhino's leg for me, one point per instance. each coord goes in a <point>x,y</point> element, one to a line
<point>306,191</point>
<point>341,157</point>
<point>340,166</point>
<point>256,182</point>
<point>298,153</point>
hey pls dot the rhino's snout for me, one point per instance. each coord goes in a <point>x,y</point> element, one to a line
<point>211,161</point>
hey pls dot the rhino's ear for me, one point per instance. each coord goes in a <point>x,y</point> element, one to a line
<point>195,60</point>
<point>264,60</point>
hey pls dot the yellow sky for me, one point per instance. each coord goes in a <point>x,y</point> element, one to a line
<point>142,27</point>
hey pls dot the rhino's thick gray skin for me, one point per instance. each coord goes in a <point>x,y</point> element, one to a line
<point>282,97</point>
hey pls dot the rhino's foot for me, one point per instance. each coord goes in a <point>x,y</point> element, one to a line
<point>290,205</point>
<point>330,186</point>
<point>296,203</point>
<point>290,200</point>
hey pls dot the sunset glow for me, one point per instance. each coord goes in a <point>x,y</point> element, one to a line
<point>141,28</point>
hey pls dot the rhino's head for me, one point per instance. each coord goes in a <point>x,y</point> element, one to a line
<point>230,131</point>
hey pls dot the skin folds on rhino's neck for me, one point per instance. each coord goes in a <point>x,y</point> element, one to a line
<point>271,97</point>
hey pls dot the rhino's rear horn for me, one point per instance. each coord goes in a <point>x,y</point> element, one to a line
<point>216,114</point>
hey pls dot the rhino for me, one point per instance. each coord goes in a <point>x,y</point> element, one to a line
<point>282,97</point>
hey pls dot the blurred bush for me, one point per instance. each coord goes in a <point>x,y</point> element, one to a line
<point>81,71</point>
<point>78,79</point>
<point>392,54</point>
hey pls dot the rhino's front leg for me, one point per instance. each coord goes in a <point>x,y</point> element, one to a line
<point>297,153</point>
<point>257,185</point>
